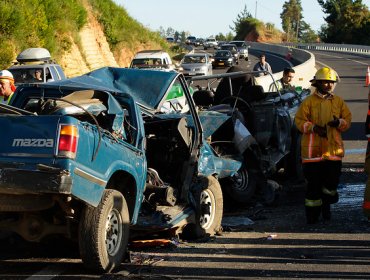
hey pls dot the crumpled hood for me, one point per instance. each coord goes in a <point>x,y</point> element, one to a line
<point>148,87</point>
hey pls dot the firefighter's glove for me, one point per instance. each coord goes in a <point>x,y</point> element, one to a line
<point>334,123</point>
<point>320,130</point>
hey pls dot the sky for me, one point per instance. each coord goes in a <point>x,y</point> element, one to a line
<point>205,18</point>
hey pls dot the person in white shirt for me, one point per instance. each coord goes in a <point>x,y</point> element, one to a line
<point>262,65</point>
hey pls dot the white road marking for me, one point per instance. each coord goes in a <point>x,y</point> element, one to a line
<point>360,62</point>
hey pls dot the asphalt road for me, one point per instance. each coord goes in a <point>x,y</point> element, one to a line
<point>258,242</point>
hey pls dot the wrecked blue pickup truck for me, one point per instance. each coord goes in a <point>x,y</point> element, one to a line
<point>95,157</point>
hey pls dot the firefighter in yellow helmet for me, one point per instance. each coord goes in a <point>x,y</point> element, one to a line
<point>321,118</point>
<point>7,87</point>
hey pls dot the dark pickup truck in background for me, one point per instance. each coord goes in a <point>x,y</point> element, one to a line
<point>36,59</point>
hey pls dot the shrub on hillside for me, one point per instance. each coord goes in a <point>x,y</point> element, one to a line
<point>39,23</point>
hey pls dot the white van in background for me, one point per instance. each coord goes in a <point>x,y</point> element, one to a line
<point>152,59</point>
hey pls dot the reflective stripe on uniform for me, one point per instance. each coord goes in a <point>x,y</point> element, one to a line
<point>306,126</point>
<point>312,203</point>
<point>366,205</point>
<point>317,159</point>
<point>328,192</point>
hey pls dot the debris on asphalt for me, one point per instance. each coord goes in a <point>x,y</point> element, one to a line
<point>236,223</point>
<point>271,236</point>
<point>233,221</point>
<point>150,243</point>
<point>139,258</point>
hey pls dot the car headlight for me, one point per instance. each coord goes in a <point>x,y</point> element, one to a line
<point>230,59</point>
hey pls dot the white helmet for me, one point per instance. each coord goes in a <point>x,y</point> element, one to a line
<point>5,74</point>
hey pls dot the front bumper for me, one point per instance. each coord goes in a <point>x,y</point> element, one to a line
<point>192,74</point>
<point>222,64</point>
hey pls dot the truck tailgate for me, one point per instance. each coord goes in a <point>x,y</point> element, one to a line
<point>24,138</point>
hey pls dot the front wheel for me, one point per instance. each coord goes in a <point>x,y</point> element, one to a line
<point>209,210</point>
<point>242,186</point>
<point>211,206</point>
<point>103,232</point>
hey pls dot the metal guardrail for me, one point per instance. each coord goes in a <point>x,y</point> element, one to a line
<point>331,47</point>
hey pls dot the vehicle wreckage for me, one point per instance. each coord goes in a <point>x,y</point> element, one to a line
<point>270,142</point>
<point>114,151</point>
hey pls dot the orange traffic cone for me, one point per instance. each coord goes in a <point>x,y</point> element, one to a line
<point>367,82</point>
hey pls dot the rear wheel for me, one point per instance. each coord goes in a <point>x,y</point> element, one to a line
<point>103,232</point>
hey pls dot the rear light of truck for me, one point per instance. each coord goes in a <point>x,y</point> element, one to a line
<point>68,140</point>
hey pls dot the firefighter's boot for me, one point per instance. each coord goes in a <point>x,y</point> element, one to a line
<point>325,211</point>
<point>312,214</point>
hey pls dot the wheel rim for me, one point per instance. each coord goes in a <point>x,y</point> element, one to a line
<point>240,180</point>
<point>207,209</point>
<point>113,232</point>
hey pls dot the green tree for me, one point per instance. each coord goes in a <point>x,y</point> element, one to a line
<point>241,23</point>
<point>162,31</point>
<point>291,18</point>
<point>224,37</point>
<point>170,32</point>
<point>183,36</point>
<point>177,35</point>
<point>348,21</point>
<point>306,34</point>
<point>38,23</point>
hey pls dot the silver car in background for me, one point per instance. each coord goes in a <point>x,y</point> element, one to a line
<point>196,64</point>
<point>242,48</point>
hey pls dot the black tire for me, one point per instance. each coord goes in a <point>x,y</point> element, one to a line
<point>211,206</point>
<point>209,211</point>
<point>103,233</point>
<point>242,186</point>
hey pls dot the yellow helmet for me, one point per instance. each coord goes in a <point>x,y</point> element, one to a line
<point>325,74</point>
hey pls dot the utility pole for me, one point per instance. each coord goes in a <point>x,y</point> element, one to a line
<point>255,12</point>
<point>298,25</point>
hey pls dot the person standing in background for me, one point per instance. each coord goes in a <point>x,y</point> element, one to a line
<point>262,65</point>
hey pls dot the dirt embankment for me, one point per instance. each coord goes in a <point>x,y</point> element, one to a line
<point>92,50</point>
